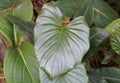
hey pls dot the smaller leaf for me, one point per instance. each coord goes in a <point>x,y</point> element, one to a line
<point>25,26</point>
<point>113,26</point>
<point>75,75</point>
<point>115,42</point>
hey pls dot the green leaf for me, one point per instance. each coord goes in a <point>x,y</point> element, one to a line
<point>97,12</point>
<point>20,65</point>
<point>69,7</point>
<point>23,9</point>
<point>25,26</point>
<point>5,4</point>
<point>86,10</point>
<point>97,36</point>
<point>112,75</point>
<point>7,29</point>
<point>115,42</point>
<point>113,26</point>
<point>75,75</point>
<point>108,56</point>
<point>95,78</point>
<point>59,47</point>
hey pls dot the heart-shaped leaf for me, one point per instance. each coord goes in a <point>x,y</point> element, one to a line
<point>20,65</point>
<point>59,47</point>
<point>75,75</point>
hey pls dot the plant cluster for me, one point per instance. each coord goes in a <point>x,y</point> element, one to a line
<point>62,41</point>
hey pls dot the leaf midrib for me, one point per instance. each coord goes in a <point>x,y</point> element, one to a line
<point>22,56</point>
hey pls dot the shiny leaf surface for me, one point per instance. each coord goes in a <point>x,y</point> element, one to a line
<point>59,47</point>
<point>75,75</point>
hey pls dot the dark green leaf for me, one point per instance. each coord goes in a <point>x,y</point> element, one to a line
<point>22,9</point>
<point>97,36</point>
<point>95,78</point>
<point>97,12</point>
<point>69,7</point>
<point>25,26</point>
<point>112,75</point>
<point>6,28</point>
<point>59,47</point>
<point>5,4</point>
<point>108,57</point>
<point>75,75</point>
<point>20,65</point>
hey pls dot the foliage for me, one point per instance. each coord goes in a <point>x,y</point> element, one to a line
<point>64,41</point>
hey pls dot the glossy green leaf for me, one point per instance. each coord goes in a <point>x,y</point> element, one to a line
<point>115,42</point>
<point>113,26</point>
<point>20,65</point>
<point>97,36</point>
<point>111,75</point>
<point>75,75</point>
<point>69,7</point>
<point>59,47</point>
<point>97,12</point>
<point>25,26</point>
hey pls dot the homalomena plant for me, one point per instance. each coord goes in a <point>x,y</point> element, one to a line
<point>60,48</point>
<point>58,53</point>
